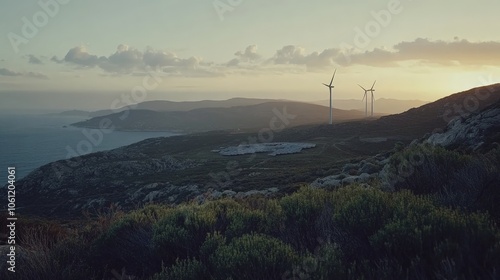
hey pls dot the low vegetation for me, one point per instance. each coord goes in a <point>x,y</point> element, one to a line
<point>466,181</point>
<point>350,233</point>
<point>438,222</point>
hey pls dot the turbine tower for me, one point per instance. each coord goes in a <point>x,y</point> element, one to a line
<point>373,100</point>
<point>365,98</point>
<point>330,86</point>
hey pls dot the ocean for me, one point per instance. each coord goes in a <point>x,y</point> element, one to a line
<point>30,141</point>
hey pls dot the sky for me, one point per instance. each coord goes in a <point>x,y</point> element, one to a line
<point>82,54</point>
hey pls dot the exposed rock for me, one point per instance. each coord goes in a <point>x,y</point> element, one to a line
<point>350,180</point>
<point>361,172</point>
<point>330,181</point>
<point>471,133</point>
<point>150,197</point>
<point>349,167</point>
<point>369,168</point>
<point>229,193</point>
<point>121,176</point>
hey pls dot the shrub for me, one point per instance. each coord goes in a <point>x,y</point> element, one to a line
<point>330,263</point>
<point>253,256</point>
<point>301,210</point>
<point>467,182</point>
<point>361,211</point>
<point>211,244</point>
<point>434,235</point>
<point>425,168</point>
<point>127,243</point>
<point>273,216</point>
<point>189,269</point>
<point>181,232</point>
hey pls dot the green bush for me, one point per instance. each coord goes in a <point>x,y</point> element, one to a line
<point>362,211</point>
<point>467,182</point>
<point>253,256</point>
<point>211,244</point>
<point>189,269</point>
<point>330,264</point>
<point>425,168</point>
<point>435,235</point>
<point>181,232</point>
<point>273,216</point>
<point>350,233</point>
<point>127,243</point>
<point>301,210</point>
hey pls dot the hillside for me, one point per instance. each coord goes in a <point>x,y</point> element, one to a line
<point>181,168</point>
<point>251,117</point>
<point>382,105</point>
<point>347,207</point>
<point>164,105</point>
<point>72,113</point>
<point>412,124</point>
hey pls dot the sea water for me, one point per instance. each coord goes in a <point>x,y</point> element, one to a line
<point>30,141</point>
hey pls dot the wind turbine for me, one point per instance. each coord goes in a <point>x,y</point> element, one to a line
<point>373,100</point>
<point>365,98</point>
<point>330,86</point>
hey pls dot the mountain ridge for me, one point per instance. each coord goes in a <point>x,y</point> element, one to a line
<point>237,118</point>
<point>181,168</point>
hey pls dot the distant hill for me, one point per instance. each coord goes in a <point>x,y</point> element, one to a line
<point>232,118</point>
<point>71,113</point>
<point>413,123</point>
<point>382,105</point>
<point>164,105</point>
<point>180,168</point>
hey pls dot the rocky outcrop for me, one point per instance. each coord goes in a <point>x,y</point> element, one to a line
<point>473,133</point>
<point>360,172</point>
<point>215,194</point>
<point>126,177</point>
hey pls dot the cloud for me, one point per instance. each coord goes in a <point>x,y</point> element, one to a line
<point>80,56</point>
<point>248,57</point>
<point>154,58</point>
<point>128,60</point>
<point>10,73</point>
<point>250,54</point>
<point>124,60</point>
<point>36,75</point>
<point>7,72</point>
<point>56,60</point>
<point>458,52</point>
<point>296,55</point>
<point>376,57</point>
<point>34,60</point>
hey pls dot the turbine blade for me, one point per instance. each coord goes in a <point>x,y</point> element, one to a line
<point>331,82</point>
<point>373,84</point>
<point>361,87</point>
<point>364,96</point>
<point>326,85</point>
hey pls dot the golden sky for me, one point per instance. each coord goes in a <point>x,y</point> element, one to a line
<point>218,49</point>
